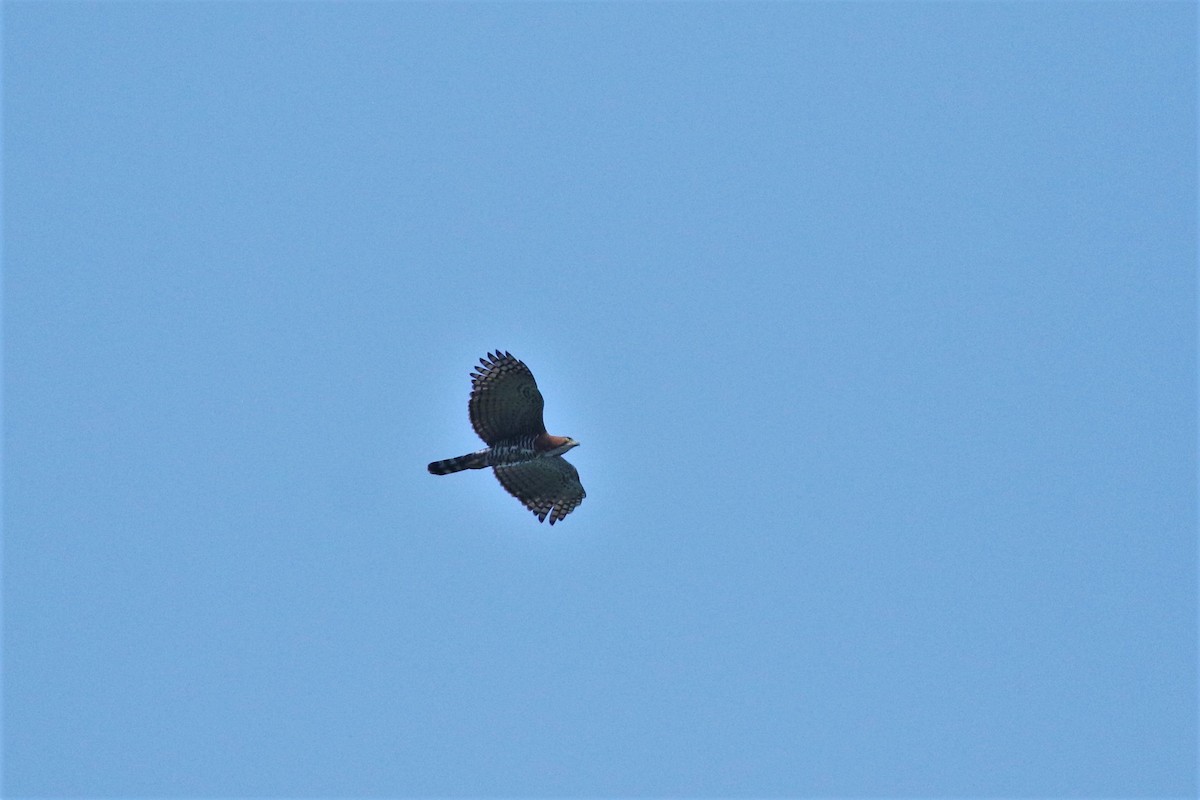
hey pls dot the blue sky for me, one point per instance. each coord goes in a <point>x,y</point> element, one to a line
<point>877,324</point>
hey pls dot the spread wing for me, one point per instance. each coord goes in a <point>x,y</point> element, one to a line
<point>505,401</point>
<point>546,486</point>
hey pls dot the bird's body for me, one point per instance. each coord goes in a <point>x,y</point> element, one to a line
<point>509,451</point>
<point>505,409</point>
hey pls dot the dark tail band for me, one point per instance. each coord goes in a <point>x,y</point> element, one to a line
<point>469,461</point>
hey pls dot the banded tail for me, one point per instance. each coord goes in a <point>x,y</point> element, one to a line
<point>477,460</point>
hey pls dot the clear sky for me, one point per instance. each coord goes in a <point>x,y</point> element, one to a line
<point>877,324</point>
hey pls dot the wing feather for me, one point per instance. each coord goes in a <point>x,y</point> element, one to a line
<point>546,486</point>
<point>505,402</point>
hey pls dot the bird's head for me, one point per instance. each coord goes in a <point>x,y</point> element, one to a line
<point>561,445</point>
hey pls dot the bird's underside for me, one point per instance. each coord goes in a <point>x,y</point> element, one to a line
<point>505,409</point>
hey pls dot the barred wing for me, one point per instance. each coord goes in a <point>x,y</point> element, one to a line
<point>546,486</point>
<point>505,402</point>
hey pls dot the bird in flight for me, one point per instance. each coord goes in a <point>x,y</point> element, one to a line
<point>505,409</point>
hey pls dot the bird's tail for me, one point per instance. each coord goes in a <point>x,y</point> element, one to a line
<point>476,460</point>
